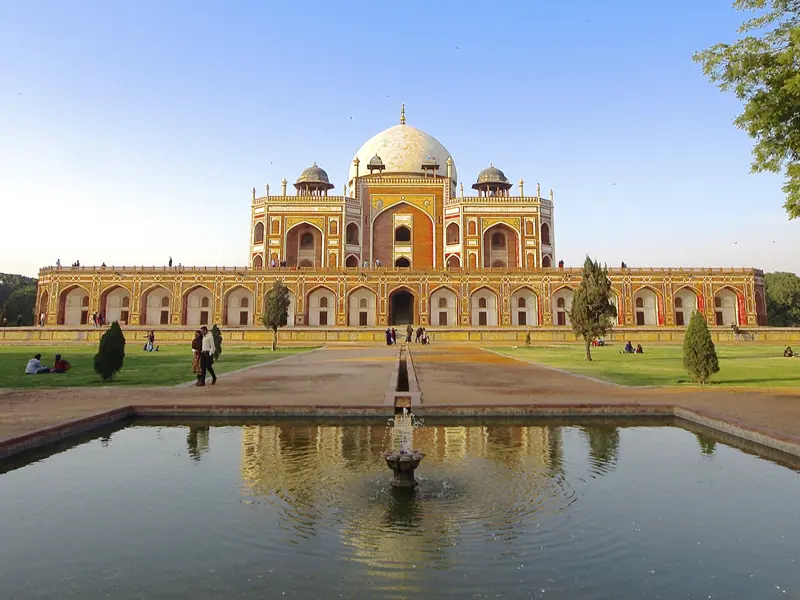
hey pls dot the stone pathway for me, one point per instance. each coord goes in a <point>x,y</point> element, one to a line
<point>328,376</point>
<point>359,376</point>
<point>469,375</point>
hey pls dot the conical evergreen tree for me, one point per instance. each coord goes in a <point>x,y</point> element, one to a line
<point>111,352</point>
<point>217,335</point>
<point>277,310</point>
<point>592,311</point>
<point>699,353</point>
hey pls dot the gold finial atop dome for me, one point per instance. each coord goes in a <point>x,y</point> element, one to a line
<point>402,114</point>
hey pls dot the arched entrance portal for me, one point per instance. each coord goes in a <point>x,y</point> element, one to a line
<point>401,308</point>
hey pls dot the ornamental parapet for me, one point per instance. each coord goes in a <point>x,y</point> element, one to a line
<point>263,200</point>
<point>498,200</point>
<point>570,271</point>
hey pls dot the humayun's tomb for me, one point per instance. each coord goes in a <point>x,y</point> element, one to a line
<point>403,244</point>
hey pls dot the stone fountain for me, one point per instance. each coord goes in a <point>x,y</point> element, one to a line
<point>403,460</point>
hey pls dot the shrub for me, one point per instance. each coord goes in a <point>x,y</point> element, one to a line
<point>111,352</point>
<point>699,353</point>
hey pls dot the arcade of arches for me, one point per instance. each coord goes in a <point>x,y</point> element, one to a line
<point>361,306</point>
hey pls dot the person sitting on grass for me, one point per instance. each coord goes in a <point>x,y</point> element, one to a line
<point>35,366</point>
<point>639,349</point>
<point>789,353</point>
<point>61,365</point>
<point>628,348</point>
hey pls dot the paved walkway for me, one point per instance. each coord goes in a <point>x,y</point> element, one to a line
<point>457,374</point>
<point>333,377</point>
<point>461,375</point>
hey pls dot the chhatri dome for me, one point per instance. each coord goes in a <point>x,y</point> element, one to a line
<point>402,149</point>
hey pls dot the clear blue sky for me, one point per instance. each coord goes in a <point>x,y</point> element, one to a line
<point>132,131</point>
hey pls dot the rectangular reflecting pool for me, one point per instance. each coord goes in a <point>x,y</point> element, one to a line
<point>590,509</point>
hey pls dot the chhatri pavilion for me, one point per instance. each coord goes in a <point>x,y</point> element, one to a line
<point>404,243</point>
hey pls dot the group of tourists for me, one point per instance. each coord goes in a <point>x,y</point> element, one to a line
<point>789,353</point>
<point>19,321</point>
<point>203,349</point>
<point>35,366</point>
<point>97,320</point>
<point>629,349</point>
<point>421,335</point>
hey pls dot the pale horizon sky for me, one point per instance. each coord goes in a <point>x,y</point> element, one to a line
<point>135,131</point>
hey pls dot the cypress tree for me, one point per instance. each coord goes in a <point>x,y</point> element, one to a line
<point>277,310</point>
<point>699,353</point>
<point>217,335</point>
<point>111,352</point>
<point>592,311</point>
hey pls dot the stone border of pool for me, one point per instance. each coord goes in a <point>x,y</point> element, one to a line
<point>63,431</point>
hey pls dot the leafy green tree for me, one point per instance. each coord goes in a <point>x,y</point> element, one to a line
<point>699,353</point>
<point>783,299</point>
<point>10,283</point>
<point>217,335</point>
<point>21,301</point>
<point>277,310</point>
<point>111,353</point>
<point>762,69</point>
<point>592,311</point>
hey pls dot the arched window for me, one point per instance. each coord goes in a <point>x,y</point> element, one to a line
<point>352,233</point>
<point>499,263</point>
<point>402,234</point>
<point>546,261</point>
<point>323,302</point>
<point>165,302</point>
<point>442,302</point>
<point>545,233</point>
<point>498,240</point>
<point>275,227</point>
<point>481,302</point>
<point>472,228</point>
<point>402,262</point>
<point>678,302</point>
<point>245,302</point>
<point>521,302</point>
<point>126,302</point>
<point>204,302</point>
<point>307,240</point>
<point>85,302</point>
<point>333,228</point>
<point>528,227</point>
<point>258,263</point>
<point>258,233</point>
<point>560,303</point>
<point>452,233</point>
<point>332,259</point>
<point>362,303</point>
<point>352,261</point>
<point>305,263</point>
<point>640,302</point>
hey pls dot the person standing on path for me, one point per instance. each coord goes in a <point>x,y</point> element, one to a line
<point>207,357</point>
<point>409,333</point>
<point>419,335</point>
<point>170,262</point>
<point>197,349</point>
<point>388,337</point>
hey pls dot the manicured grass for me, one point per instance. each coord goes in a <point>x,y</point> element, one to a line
<point>171,365</point>
<point>742,365</point>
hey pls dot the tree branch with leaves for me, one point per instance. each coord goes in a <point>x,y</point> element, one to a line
<point>763,71</point>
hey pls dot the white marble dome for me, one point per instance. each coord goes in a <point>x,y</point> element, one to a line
<point>402,149</point>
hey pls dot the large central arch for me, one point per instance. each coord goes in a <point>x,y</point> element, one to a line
<point>402,307</point>
<point>382,240</point>
<point>304,245</point>
<point>501,246</point>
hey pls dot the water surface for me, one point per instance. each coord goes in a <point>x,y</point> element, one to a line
<point>304,510</point>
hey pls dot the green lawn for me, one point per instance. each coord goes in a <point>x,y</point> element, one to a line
<point>745,365</point>
<point>171,365</point>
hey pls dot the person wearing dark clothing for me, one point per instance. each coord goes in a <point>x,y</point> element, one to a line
<point>789,353</point>
<point>419,335</point>
<point>409,333</point>
<point>639,349</point>
<point>628,348</point>
<point>394,335</point>
<point>388,337</point>
<point>197,351</point>
<point>19,320</point>
<point>207,357</point>
<point>170,262</point>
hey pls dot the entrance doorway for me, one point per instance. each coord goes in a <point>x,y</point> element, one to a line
<point>401,308</point>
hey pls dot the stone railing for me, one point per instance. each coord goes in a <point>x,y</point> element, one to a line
<point>302,200</point>
<point>390,269</point>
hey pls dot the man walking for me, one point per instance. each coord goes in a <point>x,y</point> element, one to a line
<point>207,357</point>
<point>409,333</point>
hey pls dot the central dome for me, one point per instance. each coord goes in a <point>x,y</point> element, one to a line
<point>403,149</point>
